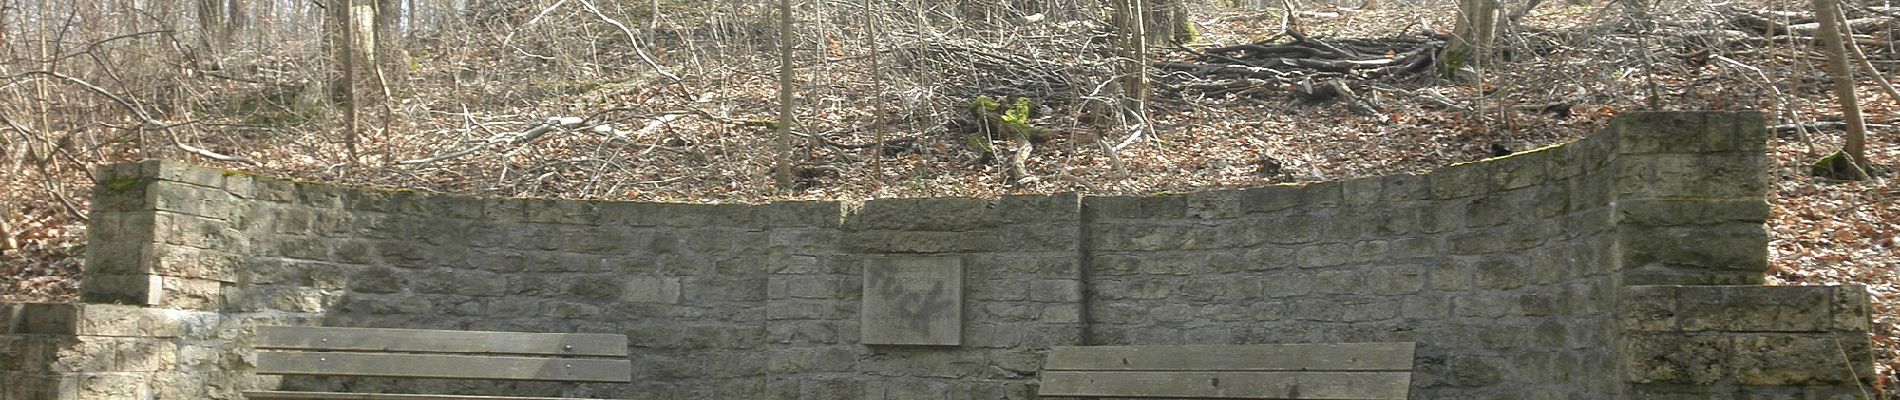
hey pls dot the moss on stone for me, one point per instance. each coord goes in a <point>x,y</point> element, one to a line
<point>121,184</point>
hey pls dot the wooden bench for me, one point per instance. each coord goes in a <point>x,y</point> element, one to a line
<point>1279,371</point>
<point>409,353</point>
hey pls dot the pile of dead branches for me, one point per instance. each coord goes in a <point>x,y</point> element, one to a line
<point>1263,67</point>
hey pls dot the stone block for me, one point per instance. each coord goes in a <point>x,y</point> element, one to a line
<point>1031,237</point>
<point>1460,180</point>
<point>1339,282</point>
<point>1060,314</point>
<point>458,282</point>
<point>944,214</point>
<point>920,242</point>
<point>1519,170</point>
<point>1648,309</point>
<point>1484,304</point>
<point>123,289</point>
<point>1777,308</point>
<point>1664,212</point>
<point>1799,359</point>
<point>1323,255</point>
<point>805,287</point>
<point>1063,208</point>
<point>1689,132</point>
<point>1501,272</point>
<point>1674,358</point>
<point>1363,191</point>
<point>1293,229</point>
<point>1010,290</point>
<point>1056,290</point>
<point>1853,310</point>
<point>1127,207</point>
<point>1692,176</point>
<point>1225,204</point>
<point>1713,250</point>
<point>1425,306</point>
<point>1323,194</point>
<point>1269,198</point>
<point>1450,276</point>
<point>913,301</point>
<point>1404,187</point>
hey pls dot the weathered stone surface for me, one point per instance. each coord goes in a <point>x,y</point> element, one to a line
<point>913,301</point>
<point>1520,277</point>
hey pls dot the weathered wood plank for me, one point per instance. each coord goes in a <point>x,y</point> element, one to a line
<point>280,395</point>
<point>1228,385</point>
<point>435,341</point>
<point>1395,356</point>
<point>443,366</point>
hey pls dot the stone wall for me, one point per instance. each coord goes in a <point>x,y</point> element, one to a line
<point>1525,277</point>
<point>1500,270</point>
<point>102,351</point>
<point>1710,342</point>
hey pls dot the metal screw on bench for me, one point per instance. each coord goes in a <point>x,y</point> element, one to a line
<point>567,347</point>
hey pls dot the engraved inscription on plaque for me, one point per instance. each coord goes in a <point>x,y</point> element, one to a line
<point>913,301</point>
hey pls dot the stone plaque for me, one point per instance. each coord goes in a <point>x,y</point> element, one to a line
<point>913,301</point>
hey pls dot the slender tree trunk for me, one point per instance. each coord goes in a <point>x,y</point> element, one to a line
<point>1838,70</point>
<point>782,172</point>
<point>349,51</point>
<point>877,88</point>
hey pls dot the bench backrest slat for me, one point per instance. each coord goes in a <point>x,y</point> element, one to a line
<point>1277,357</point>
<point>443,366</point>
<point>1372,371</point>
<point>1228,385</point>
<point>410,353</point>
<point>434,341</point>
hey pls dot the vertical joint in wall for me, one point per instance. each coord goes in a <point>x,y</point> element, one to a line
<point>1084,257</point>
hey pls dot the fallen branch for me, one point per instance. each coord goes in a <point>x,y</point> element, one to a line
<point>1782,128</point>
<point>511,139</point>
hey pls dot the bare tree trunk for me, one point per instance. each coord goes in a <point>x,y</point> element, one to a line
<point>388,29</point>
<point>1838,70</point>
<point>214,26</point>
<point>235,20</point>
<point>782,172</point>
<point>1134,39</point>
<point>1472,38</point>
<point>1166,21</point>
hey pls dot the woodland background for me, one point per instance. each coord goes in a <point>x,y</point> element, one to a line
<point>681,100</point>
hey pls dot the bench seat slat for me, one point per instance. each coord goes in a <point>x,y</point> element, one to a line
<point>282,395</point>
<point>443,366</point>
<point>1396,356</point>
<point>1228,385</point>
<point>435,341</point>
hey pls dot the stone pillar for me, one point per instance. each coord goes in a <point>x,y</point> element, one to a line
<point>110,352</point>
<point>1690,189</point>
<point>163,234</point>
<point>1747,342</point>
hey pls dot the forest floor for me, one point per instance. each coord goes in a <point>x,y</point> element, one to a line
<point>1570,72</point>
